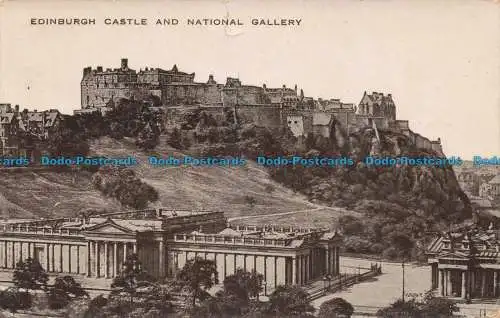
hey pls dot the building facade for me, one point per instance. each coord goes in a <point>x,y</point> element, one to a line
<point>490,189</point>
<point>40,125</point>
<point>466,265</point>
<point>165,240</point>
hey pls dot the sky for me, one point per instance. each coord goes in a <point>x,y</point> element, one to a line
<point>440,59</point>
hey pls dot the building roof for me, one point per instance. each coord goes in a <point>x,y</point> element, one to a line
<point>481,203</point>
<point>495,180</point>
<point>6,118</point>
<point>230,232</point>
<point>480,243</point>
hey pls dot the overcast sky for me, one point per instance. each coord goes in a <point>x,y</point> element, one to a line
<point>439,59</point>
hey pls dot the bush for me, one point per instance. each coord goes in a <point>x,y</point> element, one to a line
<point>13,299</point>
<point>122,184</point>
<point>336,307</point>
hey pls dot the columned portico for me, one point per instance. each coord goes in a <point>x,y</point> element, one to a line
<point>466,265</point>
<point>164,241</point>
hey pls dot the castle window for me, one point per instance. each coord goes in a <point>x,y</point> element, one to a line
<point>289,122</point>
<point>295,122</point>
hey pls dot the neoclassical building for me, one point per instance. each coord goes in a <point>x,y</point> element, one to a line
<point>164,240</point>
<point>466,265</point>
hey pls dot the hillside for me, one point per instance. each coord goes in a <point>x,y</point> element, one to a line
<point>33,194</point>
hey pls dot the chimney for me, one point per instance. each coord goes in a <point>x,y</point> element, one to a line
<point>35,110</point>
<point>210,77</point>
<point>264,86</point>
<point>284,86</point>
<point>16,108</point>
<point>124,63</point>
<point>86,71</point>
<point>389,95</point>
<point>99,68</point>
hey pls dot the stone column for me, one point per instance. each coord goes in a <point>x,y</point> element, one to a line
<point>338,260</point>
<point>60,258</point>
<point>97,258</point>
<point>441,282</point>
<point>448,283</point>
<point>47,257</point>
<point>135,248</point>
<point>275,271</point>
<point>483,283</point>
<point>334,263</point>
<point>53,256</point>
<point>124,251</point>
<point>464,285</point>
<point>299,270</point>
<point>332,255</point>
<point>69,258</point>
<point>161,259</point>
<point>294,270</point>
<point>20,251</point>
<point>472,284</point>
<point>13,254</point>
<point>78,259</point>
<point>495,284</point>
<point>106,257</point>
<point>115,259</point>
<point>304,269</point>
<point>89,258</point>
<point>327,261</point>
<point>5,254</point>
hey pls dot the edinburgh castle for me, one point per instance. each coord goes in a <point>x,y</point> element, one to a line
<point>174,91</point>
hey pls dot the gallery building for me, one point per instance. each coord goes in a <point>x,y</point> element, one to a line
<point>466,265</point>
<point>164,240</point>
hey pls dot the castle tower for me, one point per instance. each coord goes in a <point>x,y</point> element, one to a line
<point>124,64</point>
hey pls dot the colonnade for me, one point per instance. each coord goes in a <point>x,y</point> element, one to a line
<point>277,268</point>
<point>105,258</point>
<point>56,257</point>
<point>480,283</point>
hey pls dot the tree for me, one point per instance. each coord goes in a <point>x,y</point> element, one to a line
<point>234,299</point>
<point>243,283</point>
<point>64,290</point>
<point>198,275</point>
<point>148,137</point>
<point>13,299</point>
<point>431,306</point>
<point>131,278</point>
<point>174,139</point>
<point>122,184</point>
<point>29,274</point>
<point>290,301</point>
<point>336,307</point>
<point>438,307</point>
<point>400,308</point>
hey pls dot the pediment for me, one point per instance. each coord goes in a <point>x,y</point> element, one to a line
<point>108,227</point>
<point>456,255</point>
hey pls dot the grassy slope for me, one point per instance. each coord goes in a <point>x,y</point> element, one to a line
<point>207,188</point>
<point>38,194</point>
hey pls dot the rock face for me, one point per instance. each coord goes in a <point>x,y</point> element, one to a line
<point>401,204</point>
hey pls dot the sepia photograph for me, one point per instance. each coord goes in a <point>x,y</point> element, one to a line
<point>238,158</point>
